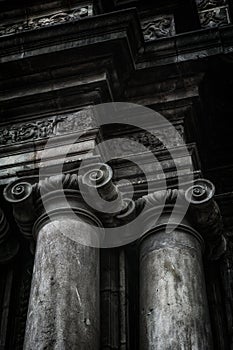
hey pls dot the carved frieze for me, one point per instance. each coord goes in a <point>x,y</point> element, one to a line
<point>51,19</point>
<point>207,4</point>
<point>53,126</point>
<point>145,141</point>
<point>158,27</point>
<point>218,16</point>
<point>213,13</point>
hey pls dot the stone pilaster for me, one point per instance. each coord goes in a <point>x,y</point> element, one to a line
<point>173,302</point>
<point>9,245</point>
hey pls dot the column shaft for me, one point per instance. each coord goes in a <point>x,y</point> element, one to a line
<point>173,303</point>
<point>64,303</point>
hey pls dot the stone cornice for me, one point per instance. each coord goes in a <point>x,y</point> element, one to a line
<point>201,43</point>
<point>123,24</point>
<point>187,46</point>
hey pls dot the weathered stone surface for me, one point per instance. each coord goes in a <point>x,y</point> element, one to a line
<point>61,68</point>
<point>64,304</point>
<point>48,127</point>
<point>213,13</point>
<point>173,303</point>
<point>158,27</point>
<point>47,20</point>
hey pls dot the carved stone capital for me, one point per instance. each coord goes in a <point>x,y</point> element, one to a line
<point>193,211</point>
<point>9,245</point>
<point>110,205</point>
<point>157,209</point>
<point>20,194</point>
<point>88,196</point>
<point>205,215</point>
<point>98,181</point>
<point>57,197</point>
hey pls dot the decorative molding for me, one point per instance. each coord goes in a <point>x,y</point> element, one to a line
<point>28,197</point>
<point>203,214</point>
<point>207,4</point>
<point>158,27</point>
<point>218,16</point>
<point>20,194</point>
<point>213,13</point>
<point>53,183</point>
<point>52,19</point>
<point>42,129</point>
<point>206,217</point>
<point>93,184</point>
<point>164,196</point>
<point>157,140</point>
<point>98,181</point>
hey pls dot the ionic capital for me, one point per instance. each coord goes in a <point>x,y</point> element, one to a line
<point>20,194</point>
<point>193,210</point>
<point>88,196</point>
<point>205,215</point>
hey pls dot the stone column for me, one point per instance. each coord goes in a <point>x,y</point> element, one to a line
<point>173,302</point>
<point>63,309</point>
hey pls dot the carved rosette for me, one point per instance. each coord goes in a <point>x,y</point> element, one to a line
<point>9,246</point>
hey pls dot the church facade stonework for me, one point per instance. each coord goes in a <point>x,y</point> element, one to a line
<point>116,214</point>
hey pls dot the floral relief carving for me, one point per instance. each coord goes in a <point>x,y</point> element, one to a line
<point>206,4</point>
<point>54,126</point>
<point>158,27</point>
<point>71,122</point>
<point>213,13</point>
<point>55,18</point>
<point>214,17</point>
<point>145,141</point>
